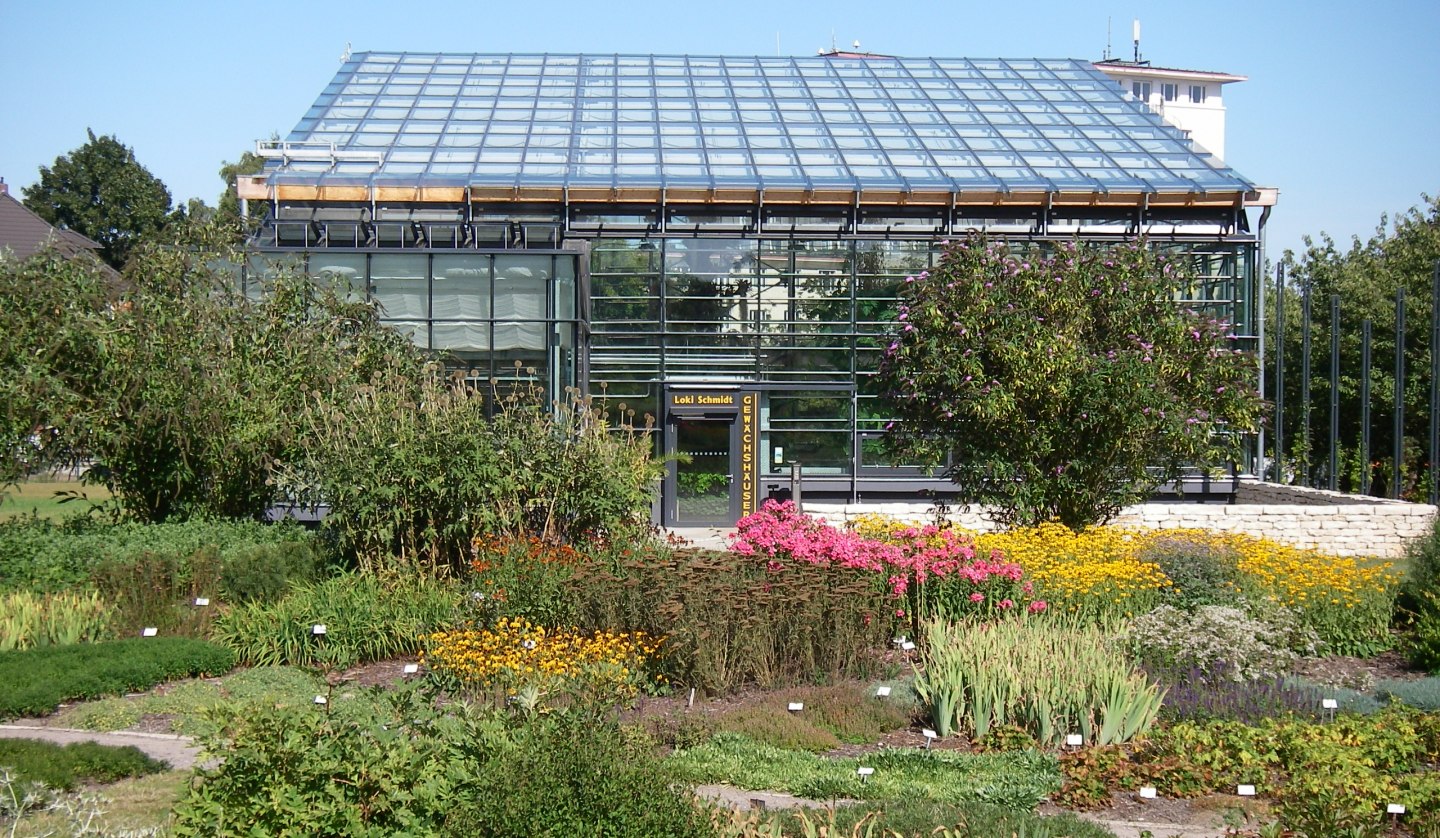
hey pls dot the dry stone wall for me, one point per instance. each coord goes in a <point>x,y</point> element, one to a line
<point>1340,525</point>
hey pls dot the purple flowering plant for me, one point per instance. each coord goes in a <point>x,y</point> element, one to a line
<point>1064,382</point>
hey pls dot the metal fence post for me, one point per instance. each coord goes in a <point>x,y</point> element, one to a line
<point>1365,408</point>
<point>1435,385</point>
<point>1335,392</point>
<point>1279,460</point>
<point>1306,449</point>
<point>1398,446</point>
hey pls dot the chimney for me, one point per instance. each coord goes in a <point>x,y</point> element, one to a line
<point>4,190</point>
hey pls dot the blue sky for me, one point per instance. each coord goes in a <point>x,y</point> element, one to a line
<point>1341,111</point>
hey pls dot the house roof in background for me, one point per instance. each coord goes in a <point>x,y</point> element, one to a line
<point>24,233</point>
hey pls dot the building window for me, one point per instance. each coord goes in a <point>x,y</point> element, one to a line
<point>1141,90</point>
<point>1197,93</point>
<point>1170,92</point>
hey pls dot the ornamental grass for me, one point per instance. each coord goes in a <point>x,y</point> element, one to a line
<point>515,654</point>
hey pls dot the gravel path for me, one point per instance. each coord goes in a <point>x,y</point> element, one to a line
<point>180,751</point>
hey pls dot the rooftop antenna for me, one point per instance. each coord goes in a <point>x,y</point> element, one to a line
<point>855,44</point>
<point>1107,39</point>
<point>345,56</point>
<point>833,48</point>
<point>1137,40</point>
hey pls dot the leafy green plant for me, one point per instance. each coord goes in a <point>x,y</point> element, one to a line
<point>1245,646</point>
<point>366,618</point>
<point>1062,384</point>
<point>1423,645</point>
<point>264,572</point>
<point>1048,677</point>
<point>64,766</point>
<point>910,819</point>
<point>28,620</point>
<point>1014,780</point>
<point>1200,572</point>
<point>34,681</point>
<point>159,590</point>
<point>1423,694</point>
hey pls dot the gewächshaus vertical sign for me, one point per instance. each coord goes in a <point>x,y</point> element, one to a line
<point>749,453</point>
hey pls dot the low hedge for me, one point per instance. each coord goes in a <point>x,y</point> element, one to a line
<point>34,681</point>
<point>64,767</point>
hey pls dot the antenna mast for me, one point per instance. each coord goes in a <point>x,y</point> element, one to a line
<point>1107,39</point>
<point>1137,40</point>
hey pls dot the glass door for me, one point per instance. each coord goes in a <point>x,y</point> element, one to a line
<point>703,489</point>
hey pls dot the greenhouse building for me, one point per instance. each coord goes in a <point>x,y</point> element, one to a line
<point>717,242</point>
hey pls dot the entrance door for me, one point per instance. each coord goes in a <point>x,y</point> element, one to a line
<point>703,491</point>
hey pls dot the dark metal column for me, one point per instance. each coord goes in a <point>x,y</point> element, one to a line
<point>1435,385</point>
<point>1365,408</point>
<point>1279,459</point>
<point>1335,392</point>
<point>1306,449</point>
<point>1398,445</point>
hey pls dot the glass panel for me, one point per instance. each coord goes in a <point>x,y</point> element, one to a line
<point>520,283</point>
<point>461,287</point>
<point>345,272</point>
<point>398,284</point>
<point>702,471</point>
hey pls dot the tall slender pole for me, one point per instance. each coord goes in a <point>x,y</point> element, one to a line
<point>1335,390</point>
<point>1279,460</point>
<point>1435,385</point>
<point>1397,448</point>
<point>1365,407</point>
<point>1308,472</point>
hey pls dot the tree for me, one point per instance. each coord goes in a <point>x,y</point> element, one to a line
<point>1366,275</point>
<point>1065,386</point>
<point>99,190</point>
<point>249,163</point>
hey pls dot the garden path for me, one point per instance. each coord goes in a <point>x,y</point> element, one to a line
<point>180,751</point>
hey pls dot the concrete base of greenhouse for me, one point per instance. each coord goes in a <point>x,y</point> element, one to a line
<point>1341,525</point>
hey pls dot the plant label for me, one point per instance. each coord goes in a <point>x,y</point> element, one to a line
<point>929,734</point>
<point>796,706</point>
<point>900,641</point>
<point>412,668</point>
<point>320,699</point>
<point>882,692</point>
<point>1329,704</point>
<point>908,646</point>
<point>317,629</point>
<point>150,631</point>
<point>1074,740</point>
<point>1147,792</point>
<point>201,602</point>
<point>1245,791</point>
<point>1394,808</point>
<point>864,771</point>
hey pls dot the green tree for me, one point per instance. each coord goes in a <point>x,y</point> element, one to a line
<point>249,163</point>
<point>1365,275</point>
<point>1062,387</point>
<point>101,191</point>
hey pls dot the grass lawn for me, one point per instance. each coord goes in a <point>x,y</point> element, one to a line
<point>38,497</point>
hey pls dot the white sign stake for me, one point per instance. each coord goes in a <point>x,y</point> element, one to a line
<point>201,602</point>
<point>412,668</point>
<point>863,772</point>
<point>1245,791</point>
<point>149,631</point>
<point>1395,808</point>
<point>1147,792</point>
<point>882,692</point>
<point>908,646</point>
<point>930,736</point>
<point>1074,740</point>
<point>320,699</point>
<point>796,706</point>
<point>1329,704</point>
<point>317,629</point>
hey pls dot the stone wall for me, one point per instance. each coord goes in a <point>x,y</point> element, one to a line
<point>1341,525</point>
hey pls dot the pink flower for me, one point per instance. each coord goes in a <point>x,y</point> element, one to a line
<point>1037,606</point>
<point>1006,603</point>
<point>900,612</point>
<point>977,597</point>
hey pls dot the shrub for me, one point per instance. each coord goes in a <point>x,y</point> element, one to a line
<point>28,620</point>
<point>731,620</point>
<point>849,712</point>
<point>1422,572</point>
<point>573,775</point>
<point>1423,645</point>
<point>1215,638</point>
<point>64,766</point>
<point>926,818</point>
<point>33,682</point>
<point>159,589</point>
<point>1201,572</point>
<point>1423,694</point>
<point>40,555</point>
<point>264,572</point>
<point>523,576</point>
<point>1047,677</point>
<point>366,619</point>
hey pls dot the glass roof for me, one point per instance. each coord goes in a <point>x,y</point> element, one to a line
<point>821,122</point>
